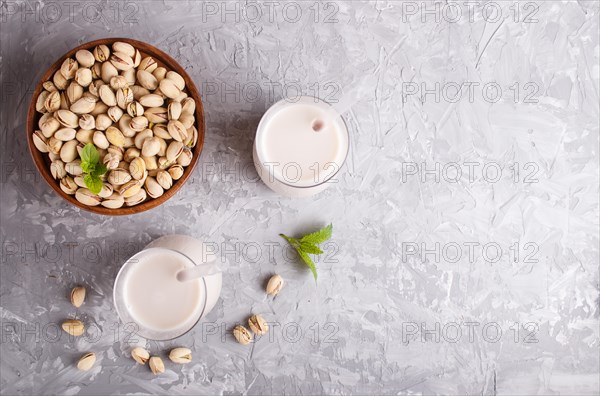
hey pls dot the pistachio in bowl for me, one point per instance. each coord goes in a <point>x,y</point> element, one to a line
<point>117,127</point>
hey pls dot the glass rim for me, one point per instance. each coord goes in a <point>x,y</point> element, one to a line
<point>274,107</point>
<point>141,330</point>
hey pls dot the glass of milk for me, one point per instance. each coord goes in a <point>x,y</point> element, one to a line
<point>300,146</point>
<point>150,293</point>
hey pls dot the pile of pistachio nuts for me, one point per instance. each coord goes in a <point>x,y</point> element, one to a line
<point>135,112</point>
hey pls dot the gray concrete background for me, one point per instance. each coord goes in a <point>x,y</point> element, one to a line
<point>519,316</point>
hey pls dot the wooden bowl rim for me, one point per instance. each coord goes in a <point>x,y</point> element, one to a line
<point>42,164</point>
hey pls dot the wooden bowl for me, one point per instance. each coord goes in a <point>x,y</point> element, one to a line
<point>42,161</point>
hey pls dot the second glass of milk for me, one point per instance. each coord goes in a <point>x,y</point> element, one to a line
<point>300,146</point>
<point>149,294</point>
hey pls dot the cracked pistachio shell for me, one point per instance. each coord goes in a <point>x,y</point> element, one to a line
<point>78,295</point>
<point>108,71</point>
<point>101,53</point>
<point>156,365</point>
<point>52,102</point>
<point>115,113</point>
<point>176,171</point>
<point>74,92</point>
<point>68,151</point>
<point>73,327</point>
<point>69,68</point>
<point>174,150</point>
<point>258,325</point>
<point>49,86</point>
<point>113,201</point>
<point>107,95</point>
<point>87,197</point>
<point>177,79</point>
<point>40,104</point>
<point>135,109</point>
<point>117,82</point>
<point>102,122</point>
<point>87,121</point>
<point>84,77</point>
<point>100,140</point>
<point>180,355</point>
<point>40,142</point>
<point>65,134</point>
<point>169,88</point>
<point>126,48</point>
<point>152,187</point>
<point>137,168</point>
<point>118,177</point>
<point>86,362</point>
<point>156,115</point>
<point>275,285</point>
<point>131,153</point>
<point>136,199</point>
<point>150,147</point>
<point>242,335</point>
<point>59,80</point>
<point>185,158</point>
<point>68,185</point>
<point>140,355</point>
<point>121,61</point>
<point>148,64</point>
<point>151,100</point>
<point>83,106</point>
<point>57,169</point>
<point>48,125</point>
<point>115,136</point>
<point>164,179</point>
<point>147,80</point>
<point>177,130</point>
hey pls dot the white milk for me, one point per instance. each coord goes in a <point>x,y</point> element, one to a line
<point>291,156</point>
<point>148,294</point>
<point>155,298</point>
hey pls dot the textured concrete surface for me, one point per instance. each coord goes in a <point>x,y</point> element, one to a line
<point>478,282</point>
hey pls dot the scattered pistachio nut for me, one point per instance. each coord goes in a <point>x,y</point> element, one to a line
<point>156,365</point>
<point>86,361</point>
<point>258,325</point>
<point>180,355</point>
<point>131,109</point>
<point>275,285</point>
<point>242,335</point>
<point>78,296</point>
<point>74,327</point>
<point>140,355</point>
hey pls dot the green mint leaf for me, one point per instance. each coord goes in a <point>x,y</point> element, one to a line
<point>93,183</point>
<point>99,170</point>
<point>318,237</point>
<point>292,241</point>
<point>306,258</point>
<point>90,154</point>
<point>87,167</point>
<point>308,248</point>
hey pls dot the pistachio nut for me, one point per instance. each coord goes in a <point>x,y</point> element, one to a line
<point>77,296</point>
<point>87,197</point>
<point>52,102</point>
<point>152,187</point>
<point>65,134</point>
<point>94,87</point>
<point>108,71</point>
<point>136,199</point>
<point>84,77</point>
<point>147,80</point>
<point>151,163</point>
<point>139,91</point>
<point>176,171</point>
<point>177,79</point>
<point>242,335</point>
<point>73,168</point>
<point>115,136</point>
<point>180,355</point>
<point>169,88</point>
<point>174,110</point>
<point>54,145</point>
<point>118,82</point>
<point>161,131</point>
<point>113,201</point>
<point>87,122</point>
<point>152,100</point>
<point>121,61</point>
<point>40,104</point>
<point>74,92</point>
<point>137,168</point>
<point>135,109</point>
<point>138,123</point>
<point>85,58</point>
<point>150,147</point>
<point>131,153</point>
<point>148,64</point>
<point>156,115</point>
<point>115,113</point>
<point>68,151</point>
<point>125,48</point>
<point>156,365</point>
<point>57,169</point>
<point>129,76</point>
<point>106,191</point>
<point>100,140</point>
<point>160,73</point>
<point>60,81</point>
<point>96,72</point>
<point>101,53</point>
<point>130,188</point>
<point>124,96</point>
<point>68,185</point>
<point>99,108</point>
<point>68,68</point>
<point>275,284</point>
<point>107,95</point>
<point>192,137</point>
<point>258,325</point>
<point>140,355</point>
<point>83,106</point>
<point>188,106</point>
<point>79,181</point>
<point>86,362</point>
<point>177,130</point>
<point>111,161</point>
<point>118,177</point>
<point>103,121</point>
<point>187,120</point>
<point>40,142</point>
<point>164,179</point>
<point>85,136</point>
<point>174,150</point>
<point>73,327</point>
<point>48,125</point>
<point>185,158</point>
